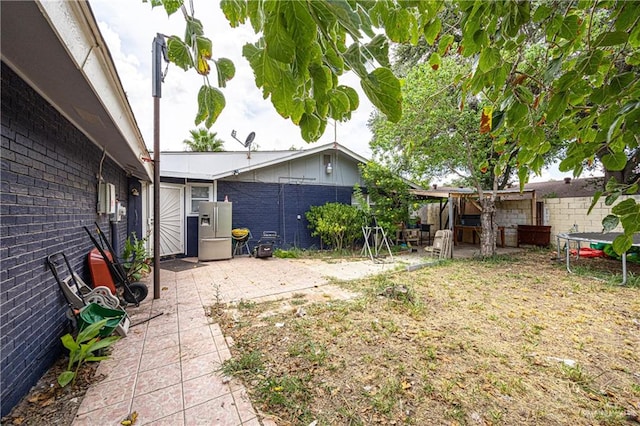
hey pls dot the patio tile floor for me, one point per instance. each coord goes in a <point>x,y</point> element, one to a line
<point>166,369</point>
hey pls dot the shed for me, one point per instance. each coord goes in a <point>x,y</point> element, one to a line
<point>513,208</point>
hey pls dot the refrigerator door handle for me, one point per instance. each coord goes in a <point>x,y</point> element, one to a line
<point>216,215</point>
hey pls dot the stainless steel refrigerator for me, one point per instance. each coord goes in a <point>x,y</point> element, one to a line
<point>214,230</point>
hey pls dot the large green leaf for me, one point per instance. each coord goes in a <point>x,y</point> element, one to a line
<point>226,71</point>
<point>383,90</point>
<point>178,53</point>
<point>398,24</point>
<point>193,29</point>
<point>378,49</point>
<point>354,99</point>
<point>90,331</point>
<point>610,222</point>
<point>569,27</point>
<point>279,43</point>
<point>355,59</point>
<point>339,106</point>
<point>489,59</point>
<point>300,24</point>
<point>310,127</point>
<point>631,221</point>
<point>341,11</point>
<point>622,243</point>
<point>432,29</point>
<point>612,38</point>
<point>69,343</point>
<point>211,102</point>
<point>171,6</point>
<point>557,106</point>
<point>615,161</point>
<point>235,11</point>
<point>625,207</point>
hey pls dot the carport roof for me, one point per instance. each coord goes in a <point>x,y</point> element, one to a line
<point>453,192</point>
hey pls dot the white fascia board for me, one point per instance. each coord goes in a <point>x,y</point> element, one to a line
<point>78,32</point>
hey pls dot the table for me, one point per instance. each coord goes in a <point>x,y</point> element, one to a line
<point>595,237</point>
<point>476,230</point>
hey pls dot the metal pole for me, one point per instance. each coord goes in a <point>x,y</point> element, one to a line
<point>158,51</point>
<point>156,198</point>
<point>451,227</point>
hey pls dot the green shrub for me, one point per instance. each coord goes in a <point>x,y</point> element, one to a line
<point>339,225</point>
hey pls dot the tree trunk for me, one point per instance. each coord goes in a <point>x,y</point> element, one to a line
<point>489,227</point>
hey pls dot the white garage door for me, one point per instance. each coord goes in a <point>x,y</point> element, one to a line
<point>171,220</point>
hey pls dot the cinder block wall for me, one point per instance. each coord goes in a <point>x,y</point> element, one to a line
<point>48,193</point>
<point>563,213</point>
<point>510,214</point>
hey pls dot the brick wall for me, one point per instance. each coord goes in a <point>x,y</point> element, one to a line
<point>48,192</point>
<point>563,213</point>
<point>275,207</point>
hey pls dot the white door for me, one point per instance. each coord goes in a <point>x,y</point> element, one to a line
<point>147,214</point>
<point>171,219</point>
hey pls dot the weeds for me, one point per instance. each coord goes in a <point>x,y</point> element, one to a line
<point>245,305</point>
<point>313,352</point>
<point>288,393</point>
<point>247,364</point>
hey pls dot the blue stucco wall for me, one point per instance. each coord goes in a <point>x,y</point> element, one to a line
<point>275,207</point>
<point>48,192</point>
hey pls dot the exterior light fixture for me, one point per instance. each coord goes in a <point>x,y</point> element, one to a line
<point>329,169</point>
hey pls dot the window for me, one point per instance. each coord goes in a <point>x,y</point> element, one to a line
<point>199,193</point>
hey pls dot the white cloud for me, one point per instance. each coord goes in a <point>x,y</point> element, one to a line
<point>129,27</point>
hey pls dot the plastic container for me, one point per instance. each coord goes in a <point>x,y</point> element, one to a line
<point>99,270</point>
<point>93,313</point>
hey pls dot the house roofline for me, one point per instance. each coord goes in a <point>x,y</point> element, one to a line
<point>287,156</point>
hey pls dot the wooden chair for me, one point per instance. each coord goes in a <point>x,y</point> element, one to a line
<point>411,236</point>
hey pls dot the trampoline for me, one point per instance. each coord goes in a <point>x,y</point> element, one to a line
<point>595,237</point>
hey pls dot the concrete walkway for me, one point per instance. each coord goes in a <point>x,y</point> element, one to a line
<point>166,369</point>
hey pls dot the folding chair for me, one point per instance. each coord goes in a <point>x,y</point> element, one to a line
<point>441,247</point>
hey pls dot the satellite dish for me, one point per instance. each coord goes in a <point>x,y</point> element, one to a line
<point>250,139</point>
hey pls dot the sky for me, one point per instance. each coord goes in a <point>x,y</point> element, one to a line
<point>129,26</point>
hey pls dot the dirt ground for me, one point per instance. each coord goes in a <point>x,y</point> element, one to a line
<point>49,404</point>
<point>508,341</point>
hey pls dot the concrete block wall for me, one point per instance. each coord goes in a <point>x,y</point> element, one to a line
<point>564,213</point>
<point>48,192</point>
<point>510,214</point>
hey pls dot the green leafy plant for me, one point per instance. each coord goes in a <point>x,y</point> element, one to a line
<point>338,224</point>
<point>389,197</point>
<point>136,261</point>
<point>83,349</point>
<point>286,254</point>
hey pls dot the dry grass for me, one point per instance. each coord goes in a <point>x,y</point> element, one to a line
<point>516,341</point>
